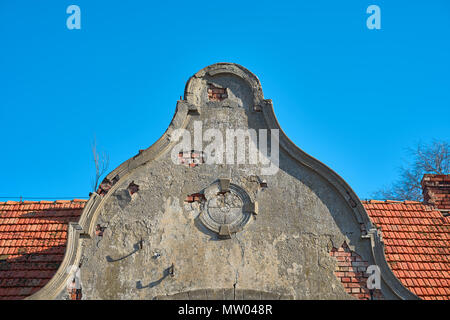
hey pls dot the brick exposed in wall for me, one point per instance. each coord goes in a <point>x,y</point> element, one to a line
<point>351,271</point>
<point>216,93</point>
<point>75,294</point>
<point>191,158</point>
<point>106,185</point>
<point>195,197</point>
<point>133,188</point>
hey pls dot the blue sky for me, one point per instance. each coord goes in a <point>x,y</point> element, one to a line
<point>351,97</point>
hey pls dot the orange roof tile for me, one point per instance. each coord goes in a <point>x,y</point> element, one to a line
<point>33,237</point>
<point>417,245</point>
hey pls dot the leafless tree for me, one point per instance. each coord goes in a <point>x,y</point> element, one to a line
<point>431,158</point>
<point>101,164</point>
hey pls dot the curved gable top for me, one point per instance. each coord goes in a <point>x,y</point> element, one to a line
<point>199,96</point>
<point>194,85</point>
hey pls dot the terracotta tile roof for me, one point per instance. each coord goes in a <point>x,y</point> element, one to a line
<point>32,243</point>
<point>417,245</point>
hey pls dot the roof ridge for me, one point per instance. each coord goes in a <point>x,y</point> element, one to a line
<point>392,201</point>
<point>10,202</point>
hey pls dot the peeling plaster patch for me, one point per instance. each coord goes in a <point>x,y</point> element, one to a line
<point>123,197</point>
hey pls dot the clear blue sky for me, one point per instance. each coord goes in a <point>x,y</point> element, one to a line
<point>353,98</point>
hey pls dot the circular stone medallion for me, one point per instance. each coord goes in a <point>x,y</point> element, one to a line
<point>225,212</point>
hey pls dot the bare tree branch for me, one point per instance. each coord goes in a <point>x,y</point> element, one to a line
<point>431,158</point>
<point>101,164</point>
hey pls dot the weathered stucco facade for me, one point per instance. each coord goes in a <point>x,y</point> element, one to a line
<point>161,235</point>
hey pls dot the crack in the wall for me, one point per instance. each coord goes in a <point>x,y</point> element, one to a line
<point>242,261</point>
<point>328,248</point>
<point>318,258</point>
